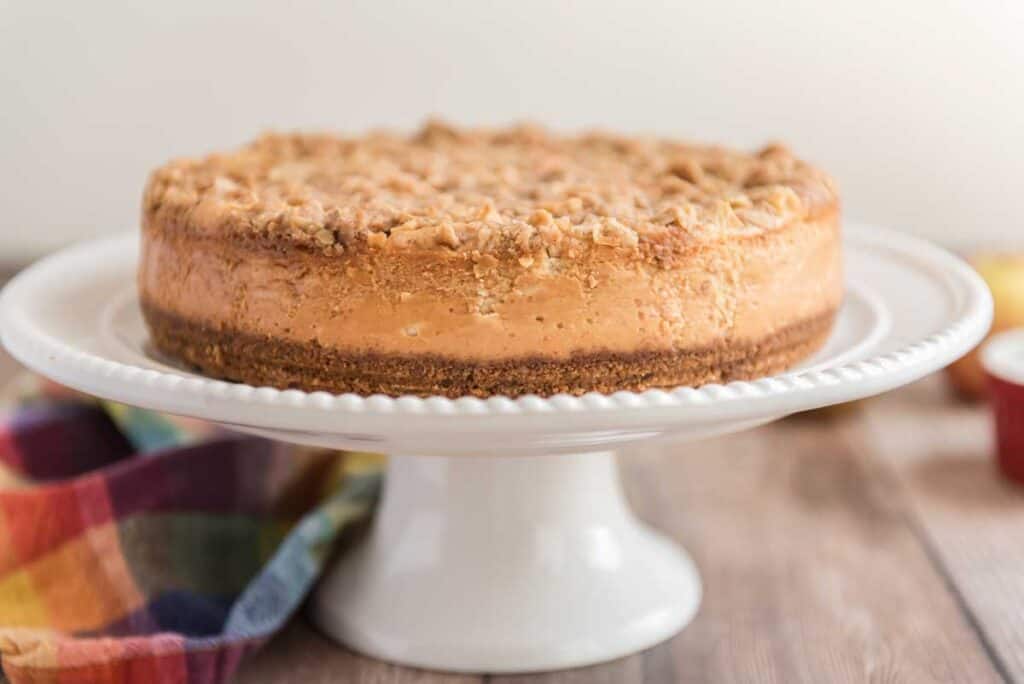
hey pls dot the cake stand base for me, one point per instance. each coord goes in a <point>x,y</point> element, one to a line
<point>506,564</point>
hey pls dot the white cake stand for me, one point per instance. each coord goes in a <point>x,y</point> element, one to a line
<point>503,542</point>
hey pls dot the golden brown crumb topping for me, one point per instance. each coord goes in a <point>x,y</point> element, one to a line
<point>519,189</point>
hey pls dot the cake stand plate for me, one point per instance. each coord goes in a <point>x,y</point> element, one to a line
<point>503,542</point>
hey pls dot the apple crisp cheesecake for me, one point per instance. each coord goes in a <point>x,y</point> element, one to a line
<point>489,262</point>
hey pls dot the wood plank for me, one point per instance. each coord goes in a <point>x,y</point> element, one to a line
<point>941,452</point>
<point>301,654</point>
<point>812,568</point>
<point>628,670</point>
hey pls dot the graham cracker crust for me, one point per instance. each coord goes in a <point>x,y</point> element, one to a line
<point>260,360</point>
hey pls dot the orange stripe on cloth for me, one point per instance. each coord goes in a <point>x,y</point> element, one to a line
<point>45,657</point>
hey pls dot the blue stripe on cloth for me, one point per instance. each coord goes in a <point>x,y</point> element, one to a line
<point>272,597</point>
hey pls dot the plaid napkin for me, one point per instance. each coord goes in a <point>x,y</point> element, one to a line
<point>139,548</point>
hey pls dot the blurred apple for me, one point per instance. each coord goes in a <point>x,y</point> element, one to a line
<point>1004,274</point>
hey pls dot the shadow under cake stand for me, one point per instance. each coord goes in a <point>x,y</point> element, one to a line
<point>503,542</point>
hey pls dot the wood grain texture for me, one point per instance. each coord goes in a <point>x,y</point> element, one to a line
<point>812,568</point>
<point>301,655</point>
<point>629,670</point>
<point>970,518</point>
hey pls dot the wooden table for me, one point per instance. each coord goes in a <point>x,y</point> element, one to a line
<point>872,545</point>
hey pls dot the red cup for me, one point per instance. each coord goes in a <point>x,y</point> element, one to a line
<point>1003,359</point>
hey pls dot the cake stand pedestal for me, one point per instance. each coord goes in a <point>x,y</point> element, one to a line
<point>504,544</point>
<point>507,564</point>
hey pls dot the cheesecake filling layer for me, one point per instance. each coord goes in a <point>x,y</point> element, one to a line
<point>481,309</point>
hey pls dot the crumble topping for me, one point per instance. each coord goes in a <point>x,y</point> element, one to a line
<point>520,189</point>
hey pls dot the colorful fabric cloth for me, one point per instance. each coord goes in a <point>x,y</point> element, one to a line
<point>139,548</point>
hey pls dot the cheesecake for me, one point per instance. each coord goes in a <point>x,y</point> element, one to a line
<point>481,262</point>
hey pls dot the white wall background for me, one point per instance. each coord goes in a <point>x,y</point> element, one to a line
<point>917,106</point>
